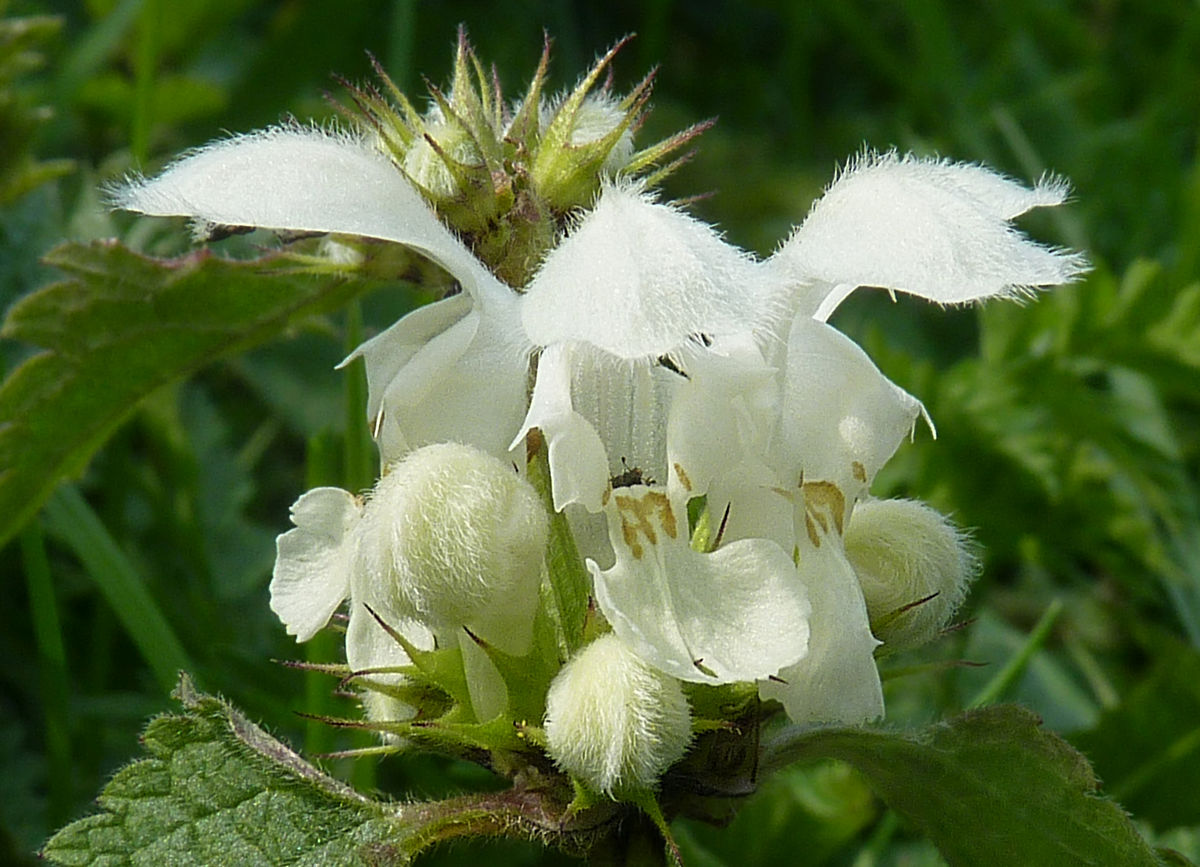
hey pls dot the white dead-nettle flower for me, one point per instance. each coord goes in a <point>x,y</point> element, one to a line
<point>737,614</point>
<point>925,226</point>
<point>450,540</point>
<point>794,447</point>
<point>659,349</point>
<point>621,308</point>
<point>914,567</point>
<point>613,721</point>
<point>451,371</point>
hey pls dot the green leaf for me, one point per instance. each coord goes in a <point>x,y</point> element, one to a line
<point>988,787</point>
<point>120,326</point>
<point>219,790</point>
<point>70,518</point>
<point>1148,748</point>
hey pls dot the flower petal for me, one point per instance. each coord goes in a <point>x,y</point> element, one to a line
<point>998,194</point>
<point>841,419</point>
<point>368,644</point>
<point>637,279</point>
<point>931,228</point>
<point>305,180</point>
<point>465,384</point>
<point>721,418</point>
<point>837,682</point>
<point>738,614</point>
<point>388,352</point>
<point>578,462</point>
<point>313,561</point>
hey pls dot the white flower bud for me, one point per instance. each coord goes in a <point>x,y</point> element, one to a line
<point>380,707</point>
<point>453,537</point>
<point>614,722</point>
<point>904,552</point>
<point>598,116</point>
<point>426,166</point>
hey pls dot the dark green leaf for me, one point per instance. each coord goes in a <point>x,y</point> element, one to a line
<point>1148,749</point>
<point>119,327</point>
<point>988,787</point>
<point>219,790</point>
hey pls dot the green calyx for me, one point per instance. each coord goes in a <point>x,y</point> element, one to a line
<point>506,175</point>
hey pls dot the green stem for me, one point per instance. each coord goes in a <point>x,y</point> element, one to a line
<point>1015,667</point>
<point>569,578</point>
<point>518,814</point>
<point>401,43</point>
<point>360,464</point>
<point>145,70</point>
<point>71,519</point>
<point>52,672</point>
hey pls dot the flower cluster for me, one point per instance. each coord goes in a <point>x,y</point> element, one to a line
<point>710,440</point>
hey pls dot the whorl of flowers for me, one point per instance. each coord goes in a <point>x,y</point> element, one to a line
<point>699,441</point>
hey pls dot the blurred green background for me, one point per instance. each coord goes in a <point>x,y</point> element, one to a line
<point>1067,427</point>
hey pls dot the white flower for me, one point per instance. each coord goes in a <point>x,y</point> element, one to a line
<point>620,308</point>
<point>315,571</point>
<point>928,227</point>
<point>454,370</point>
<point>794,477</point>
<point>662,355</point>
<point>828,420</point>
<point>737,614</point>
<point>450,540</point>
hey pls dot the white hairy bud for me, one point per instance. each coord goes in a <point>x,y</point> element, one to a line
<point>453,537</point>
<point>614,722</point>
<point>914,567</point>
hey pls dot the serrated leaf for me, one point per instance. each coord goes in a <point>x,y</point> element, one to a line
<point>219,790</point>
<point>120,326</point>
<point>988,787</point>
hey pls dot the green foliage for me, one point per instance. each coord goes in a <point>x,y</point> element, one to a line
<point>219,790</point>
<point>120,327</point>
<point>1068,428</point>
<point>987,787</point>
<point>1147,749</point>
<point>20,171</point>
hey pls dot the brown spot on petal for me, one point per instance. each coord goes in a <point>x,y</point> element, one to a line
<point>812,531</point>
<point>683,478</point>
<point>645,516</point>
<point>859,471</point>
<point>666,515</point>
<point>825,499</point>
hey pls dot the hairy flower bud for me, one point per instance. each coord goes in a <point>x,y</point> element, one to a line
<point>454,537</point>
<point>427,163</point>
<point>914,567</point>
<point>614,722</point>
